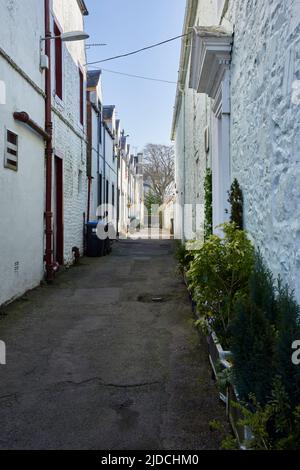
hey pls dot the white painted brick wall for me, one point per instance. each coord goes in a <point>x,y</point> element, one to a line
<point>70,143</point>
<point>193,119</point>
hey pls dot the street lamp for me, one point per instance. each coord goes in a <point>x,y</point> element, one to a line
<point>69,36</point>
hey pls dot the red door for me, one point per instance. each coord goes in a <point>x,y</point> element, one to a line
<point>59,212</point>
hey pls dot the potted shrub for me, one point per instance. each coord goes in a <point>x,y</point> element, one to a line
<point>218,274</point>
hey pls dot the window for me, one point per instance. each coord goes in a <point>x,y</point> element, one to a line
<point>80,182</point>
<point>107,192</point>
<point>113,200</point>
<point>58,61</point>
<point>11,151</point>
<point>81,98</point>
<point>100,190</point>
<point>113,195</point>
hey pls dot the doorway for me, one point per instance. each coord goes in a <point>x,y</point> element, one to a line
<point>59,212</point>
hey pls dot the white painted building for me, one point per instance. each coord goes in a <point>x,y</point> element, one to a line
<point>69,131</point>
<point>110,176</point>
<point>22,144</point>
<point>103,131</point>
<point>237,112</point>
<point>22,150</point>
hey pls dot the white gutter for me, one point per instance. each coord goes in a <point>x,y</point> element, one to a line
<point>190,14</point>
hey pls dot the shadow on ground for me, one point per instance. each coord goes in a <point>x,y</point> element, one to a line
<point>108,358</point>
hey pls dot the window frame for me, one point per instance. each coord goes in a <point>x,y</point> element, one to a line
<point>7,156</point>
<point>58,54</point>
<point>81,96</point>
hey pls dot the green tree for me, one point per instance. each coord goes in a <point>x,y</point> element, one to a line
<point>151,200</point>
<point>208,221</point>
<point>236,203</point>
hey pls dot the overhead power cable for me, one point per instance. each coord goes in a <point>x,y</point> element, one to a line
<point>139,76</point>
<point>139,50</point>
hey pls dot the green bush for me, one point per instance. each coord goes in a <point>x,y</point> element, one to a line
<point>252,346</point>
<point>218,274</point>
<point>236,202</point>
<point>262,331</point>
<point>275,426</point>
<point>252,335</point>
<point>184,257</point>
<point>287,324</point>
<point>208,210</point>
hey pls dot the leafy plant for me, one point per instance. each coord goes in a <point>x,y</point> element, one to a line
<point>264,326</point>
<point>219,273</point>
<point>208,210</point>
<point>288,330</point>
<point>275,426</point>
<point>236,202</point>
<point>252,346</point>
<point>229,443</point>
<point>152,200</point>
<point>184,257</point>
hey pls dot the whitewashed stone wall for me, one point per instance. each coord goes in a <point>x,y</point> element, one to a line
<point>21,192</point>
<point>265,127</point>
<point>69,135</point>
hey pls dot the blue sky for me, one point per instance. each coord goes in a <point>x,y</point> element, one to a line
<point>144,107</point>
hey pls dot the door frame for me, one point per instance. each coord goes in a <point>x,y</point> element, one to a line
<point>59,211</point>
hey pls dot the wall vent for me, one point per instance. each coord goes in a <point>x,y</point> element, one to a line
<point>11,151</point>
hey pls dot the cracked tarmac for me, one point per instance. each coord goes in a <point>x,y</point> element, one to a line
<point>89,366</point>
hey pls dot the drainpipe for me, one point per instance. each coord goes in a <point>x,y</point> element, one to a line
<point>89,153</point>
<point>49,152</point>
<point>99,174</point>
<point>182,91</point>
<point>104,167</point>
<point>26,119</point>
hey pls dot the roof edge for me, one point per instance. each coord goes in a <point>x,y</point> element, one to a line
<point>189,20</point>
<point>83,8</point>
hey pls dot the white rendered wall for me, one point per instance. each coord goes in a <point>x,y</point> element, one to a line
<point>22,192</point>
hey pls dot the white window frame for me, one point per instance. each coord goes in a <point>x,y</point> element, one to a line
<point>221,164</point>
<point>210,74</point>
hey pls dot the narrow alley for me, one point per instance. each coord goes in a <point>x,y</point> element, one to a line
<point>108,358</point>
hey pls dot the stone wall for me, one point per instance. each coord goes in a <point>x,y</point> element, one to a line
<point>265,127</point>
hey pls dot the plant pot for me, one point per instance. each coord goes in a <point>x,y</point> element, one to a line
<point>218,358</point>
<point>242,433</point>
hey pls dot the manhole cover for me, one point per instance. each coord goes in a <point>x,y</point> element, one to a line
<point>153,298</point>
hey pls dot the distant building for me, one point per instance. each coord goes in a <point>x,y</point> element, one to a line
<point>102,160</point>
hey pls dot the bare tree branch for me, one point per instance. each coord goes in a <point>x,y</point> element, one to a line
<point>159,169</point>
